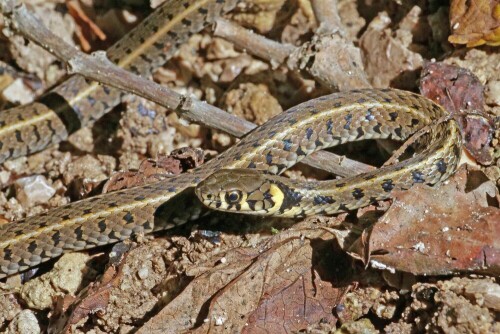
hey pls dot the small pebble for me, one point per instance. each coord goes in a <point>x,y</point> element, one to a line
<point>33,189</point>
<point>143,273</point>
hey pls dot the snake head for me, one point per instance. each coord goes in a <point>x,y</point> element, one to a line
<point>246,191</point>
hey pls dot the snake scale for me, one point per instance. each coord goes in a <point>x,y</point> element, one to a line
<point>273,147</point>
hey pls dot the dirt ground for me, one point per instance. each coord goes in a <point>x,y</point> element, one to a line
<point>427,261</point>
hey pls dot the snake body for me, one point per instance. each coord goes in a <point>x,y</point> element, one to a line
<point>253,192</point>
<point>273,147</point>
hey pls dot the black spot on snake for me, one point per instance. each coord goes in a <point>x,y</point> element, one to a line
<point>79,232</point>
<point>291,198</point>
<point>251,204</point>
<point>269,158</point>
<point>337,104</point>
<point>343,207</point>
<point>147,226</point>
<point>388,100</point>
<point>376,128</point>
<point>87,211</point>
<point>369,115</point>
<point>202,11</point>
<point>329,127</point>
<point>457,150</point>
<point>309,133</point>
<point>358,193</point>
<point>414,122</point>
<point>32,247</point>
<point>36,133</point>
<point>251,165</point>
<point>361,133</point>
<point>348,119</point>
<point>399,132</point>
<point>387,185</point>
<point>139,198</point>
<point>361,100</point>
<point>418,176</point>
<point>7,254</point>
<point>18,136</point>
<point>287,145</point>
<point>340,185</point>
<point>300,151</point>
<point>172,189</point>
<point>441,166</point>
<point>320,199</point>
<point>186,22</point>
<point>368,177</point>
<point>56,237</point>
<point>102,225</point>
<point>393,115</point>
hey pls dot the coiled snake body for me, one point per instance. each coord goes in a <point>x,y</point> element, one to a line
<point>275,146</point>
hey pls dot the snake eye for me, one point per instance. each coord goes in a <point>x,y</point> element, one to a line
<point>233,197</point>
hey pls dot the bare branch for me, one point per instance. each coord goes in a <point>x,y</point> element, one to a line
<point>264,48</point>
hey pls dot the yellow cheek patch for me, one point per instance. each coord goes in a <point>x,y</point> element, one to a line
<point>277,197</point>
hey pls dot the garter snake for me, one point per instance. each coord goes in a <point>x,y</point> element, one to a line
<point>273,147</point>
<point>254,192</point>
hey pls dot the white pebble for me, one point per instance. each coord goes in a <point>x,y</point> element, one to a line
<point>33,189</point>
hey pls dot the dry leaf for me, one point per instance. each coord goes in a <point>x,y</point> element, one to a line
<point>459,91</point>
<point>475,22</point>
<point>281,286</point>
<point>451,229</point>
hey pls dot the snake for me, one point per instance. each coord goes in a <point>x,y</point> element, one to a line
<point>275,146</point>
<point>250,191</point>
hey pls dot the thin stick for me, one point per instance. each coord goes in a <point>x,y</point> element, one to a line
<point>274,52</point>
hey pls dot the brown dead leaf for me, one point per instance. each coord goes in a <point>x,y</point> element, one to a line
<point>282,285</point>
<point>460,92</point>
<point>475,22</point>
<point>87,30</point>
<point>453,228</point>
<point>152,170</point>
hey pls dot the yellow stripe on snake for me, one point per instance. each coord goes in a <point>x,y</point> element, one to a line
<point>275,146</point>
